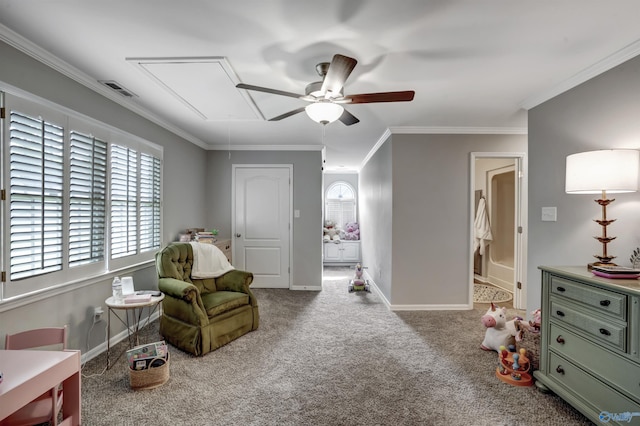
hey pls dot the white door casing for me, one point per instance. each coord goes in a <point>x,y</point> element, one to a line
<point>262,200</point>
<point>520,243</point>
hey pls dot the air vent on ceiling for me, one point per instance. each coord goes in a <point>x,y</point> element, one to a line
<point>118,88</point>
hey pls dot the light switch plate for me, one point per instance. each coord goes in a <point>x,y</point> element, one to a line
<point>296,213</point>
<point>549,214</point>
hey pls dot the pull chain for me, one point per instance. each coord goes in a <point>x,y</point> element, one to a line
<point>323,132</point>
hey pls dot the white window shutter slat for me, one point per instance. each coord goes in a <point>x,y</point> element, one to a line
<point>36,157</point>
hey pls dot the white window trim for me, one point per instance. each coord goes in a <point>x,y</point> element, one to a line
<point>341,200</point>
<point>39,287</point>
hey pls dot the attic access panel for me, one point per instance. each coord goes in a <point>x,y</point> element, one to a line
<point>205,85</point>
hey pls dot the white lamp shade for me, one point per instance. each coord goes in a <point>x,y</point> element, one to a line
<point>613,170</point>
<point>324,112</point>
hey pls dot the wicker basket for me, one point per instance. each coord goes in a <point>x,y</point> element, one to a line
<point>150,378</point>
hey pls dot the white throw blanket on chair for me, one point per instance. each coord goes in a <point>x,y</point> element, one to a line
<point>482,229</point>
<point>208,261</point>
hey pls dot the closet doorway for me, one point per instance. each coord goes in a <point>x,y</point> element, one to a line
<point>498,211</point>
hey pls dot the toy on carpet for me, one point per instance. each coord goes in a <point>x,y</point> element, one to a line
<point>500,332</point>
<point>514,367</point>
<point>358,283</point>
<point>351,231</point>
<point>331,232</point>
<point>534,323</point>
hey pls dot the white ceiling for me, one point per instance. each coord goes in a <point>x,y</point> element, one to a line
<point>476,66</point>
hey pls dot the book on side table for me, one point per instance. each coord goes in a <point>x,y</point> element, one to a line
<point>137,298</point>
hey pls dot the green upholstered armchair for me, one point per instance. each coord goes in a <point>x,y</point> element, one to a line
<point>200,315</point>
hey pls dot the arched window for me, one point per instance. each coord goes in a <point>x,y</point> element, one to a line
<point>340,203</point>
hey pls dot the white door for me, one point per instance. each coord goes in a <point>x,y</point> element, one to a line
<point>262,222</point>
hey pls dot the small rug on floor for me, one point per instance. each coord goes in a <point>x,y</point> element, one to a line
<point>483,293</point>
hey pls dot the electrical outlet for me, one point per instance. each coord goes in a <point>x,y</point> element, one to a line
<point>97,314</point>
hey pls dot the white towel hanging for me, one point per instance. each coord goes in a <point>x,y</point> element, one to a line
<point>482,228</point>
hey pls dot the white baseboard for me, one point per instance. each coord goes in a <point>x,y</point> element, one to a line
<point>306,287</point>
<point>102,347</point>
<point>480,278</point>
<point>431,307</point>
<point>392,307</point>
<point>374,288</point>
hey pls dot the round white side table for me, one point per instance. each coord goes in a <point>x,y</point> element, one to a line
<point>134,326</point>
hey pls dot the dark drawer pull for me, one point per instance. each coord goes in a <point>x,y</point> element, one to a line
<point>561,289</point>
<point>560,313</point>
<point>605,302</point>
<point>605,332</point>
<point>560,339</point>
<point>560,370</point>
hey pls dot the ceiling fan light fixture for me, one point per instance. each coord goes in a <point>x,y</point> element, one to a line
<point>324,112</point>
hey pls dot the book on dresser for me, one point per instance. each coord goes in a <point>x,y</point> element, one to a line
<point>616,272</point>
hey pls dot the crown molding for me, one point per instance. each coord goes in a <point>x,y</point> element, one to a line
<point>220,147</point>
<point>442,130</point>
<point>383,137</point>
<point>36,52</point>
<point>341,172</point>
<point>626,53</point>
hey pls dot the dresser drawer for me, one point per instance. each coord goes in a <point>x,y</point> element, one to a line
<point>225,247</point>
<point>620,372</point>
<point>609,333</point>
<point>588,388</point>
<point>601,299</point>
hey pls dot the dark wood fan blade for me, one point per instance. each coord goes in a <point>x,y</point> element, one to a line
<point>339,70</point>
<point>348,119</point>
<point>267,90</point>
<point>366,98</point>
<point>287,114</point>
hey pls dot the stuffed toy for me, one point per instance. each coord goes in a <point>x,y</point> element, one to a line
<point>534,324</point>
<point>331,232</point>
<point>351,231</point>
<point>500,332</point>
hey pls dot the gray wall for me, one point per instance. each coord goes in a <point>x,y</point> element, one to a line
<point>601,113</point>
<point>183,170</point>
<point>426,234</point>
<point>376,214</point>
<point>307,197</point>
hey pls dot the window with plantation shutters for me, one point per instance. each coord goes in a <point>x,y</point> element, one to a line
<point>124,201</point>
<point>149,203</point>
<point>36,157</point>
<point>340,204</point>
<point>135,202</point>
<point>87,198</point>
<point>82,199</point>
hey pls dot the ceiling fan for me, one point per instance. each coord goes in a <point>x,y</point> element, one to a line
<point>326,96</point>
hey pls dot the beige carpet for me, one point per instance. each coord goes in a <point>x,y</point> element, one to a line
<point>330,358</point>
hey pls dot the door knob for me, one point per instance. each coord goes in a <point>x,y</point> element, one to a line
<point>238,235</point>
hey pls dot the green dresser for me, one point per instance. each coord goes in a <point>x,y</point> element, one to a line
<point>590,343</point>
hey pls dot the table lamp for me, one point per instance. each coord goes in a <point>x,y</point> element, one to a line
<point>610,171</point>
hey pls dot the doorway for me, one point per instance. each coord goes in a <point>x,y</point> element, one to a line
<point>261,216</point>
<point>499,179</point>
